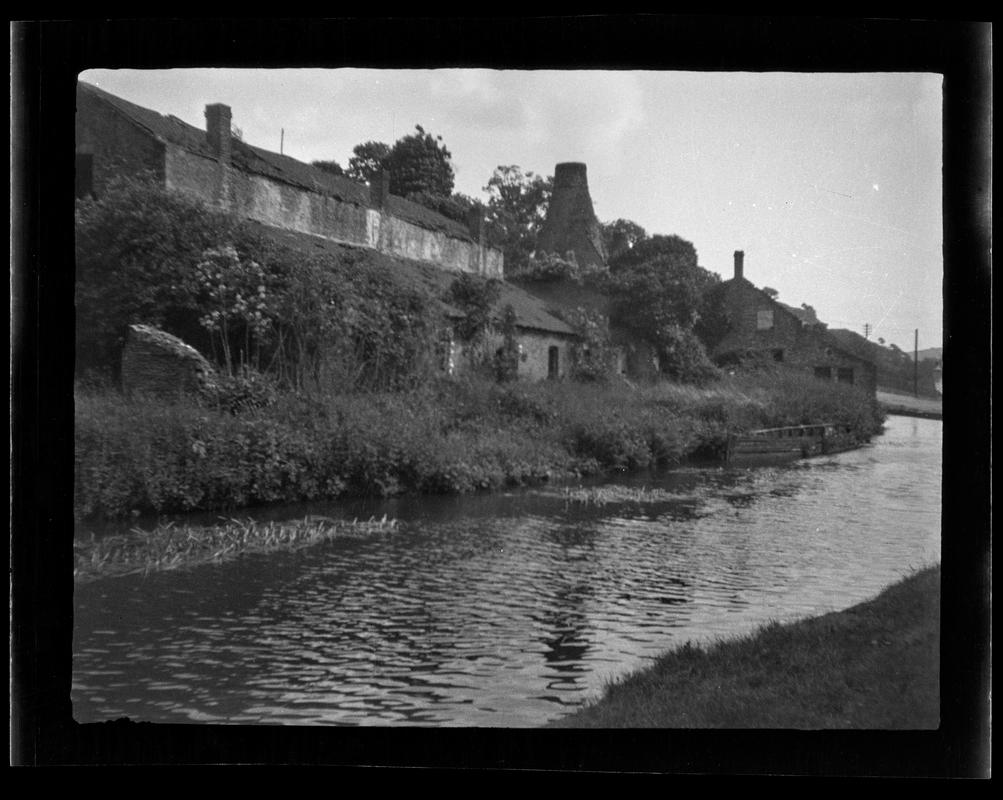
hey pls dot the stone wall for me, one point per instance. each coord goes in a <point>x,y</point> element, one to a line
<point>534,354</point>
<point>762,326</point>
<point>158,364</point>
<point>294,208</point>
<point>115,143</point>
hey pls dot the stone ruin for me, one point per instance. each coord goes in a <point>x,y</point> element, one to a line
<point>161,365</point>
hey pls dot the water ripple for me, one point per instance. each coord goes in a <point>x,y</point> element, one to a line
<point>506,611</point>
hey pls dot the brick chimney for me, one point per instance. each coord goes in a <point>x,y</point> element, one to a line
<point>571,224</point>
<point>217,130</point>
<point>739,263</point>
<point>475,224</point>
<point>379,189</point>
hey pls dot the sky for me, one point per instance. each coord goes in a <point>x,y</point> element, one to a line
<point>830,183</point>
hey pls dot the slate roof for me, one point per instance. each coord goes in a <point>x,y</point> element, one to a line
<point>531,312</point>
<point>274,165</point>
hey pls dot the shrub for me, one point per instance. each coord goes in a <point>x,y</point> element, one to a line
<point>135,249</point>
<point>443,436</point>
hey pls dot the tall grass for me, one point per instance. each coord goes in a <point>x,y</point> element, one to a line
<point>445,437</point>
<point>171,547</point>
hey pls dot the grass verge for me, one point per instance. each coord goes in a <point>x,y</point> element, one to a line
<point>873,666</point>
<point>136,456</point>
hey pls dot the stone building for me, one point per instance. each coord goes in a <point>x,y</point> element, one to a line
<point>761,327</point>
<point>571,224</point>
<point>114,137</point>
<point>307,208</point>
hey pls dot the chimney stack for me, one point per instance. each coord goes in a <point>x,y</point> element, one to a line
<point>739,263</point>
<point>477,228</point>
<point>217,128</point>
<point>379,189</point>
<point>475,222</point>
<point>571,224</point>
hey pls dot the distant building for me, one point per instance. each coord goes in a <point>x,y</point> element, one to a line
<point>761,327</point>
<point>896,370</point>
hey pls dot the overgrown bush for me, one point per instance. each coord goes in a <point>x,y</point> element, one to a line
<point>135,250</point>
<point>442,436</point>
<point>317,322</point>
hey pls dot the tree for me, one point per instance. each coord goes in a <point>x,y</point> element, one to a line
<point>475,297</point>
<point>673,248</point>
<point>660,293</point>
<point>621,235</point>
<point>654,294</point>
<point>456,206</point>
<point>329,166</point>
<point>368,158</point>
<point>420,162</point>
<point>135,248</point>
<point>517,208</point>
<point>232,291</point>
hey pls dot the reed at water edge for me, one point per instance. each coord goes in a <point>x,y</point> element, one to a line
<point>170,546</point>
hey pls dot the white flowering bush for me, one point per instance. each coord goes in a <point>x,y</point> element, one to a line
<point>233,296</point>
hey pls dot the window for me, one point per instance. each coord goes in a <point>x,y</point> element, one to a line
<point>844,374</point>
<point>778,354</point>
<point>764,319</point>
<point>823,373</point>
<point>553,362</point>
<point>84,177</point>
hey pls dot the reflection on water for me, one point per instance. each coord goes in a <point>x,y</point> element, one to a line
<point>506,609</point>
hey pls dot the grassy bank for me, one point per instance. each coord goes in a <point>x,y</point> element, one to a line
<point>873,666</point>
<point>448,437</point>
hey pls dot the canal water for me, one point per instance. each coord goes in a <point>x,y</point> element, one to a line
<point>507,609</point>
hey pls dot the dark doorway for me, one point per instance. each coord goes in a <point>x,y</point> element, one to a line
<point>553,362</point>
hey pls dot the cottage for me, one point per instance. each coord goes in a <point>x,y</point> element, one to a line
<point>760,326</point>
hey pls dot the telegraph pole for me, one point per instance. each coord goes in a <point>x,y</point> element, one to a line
<point>867,330</point>
<point>915,365</point>
<point>282,140</point>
